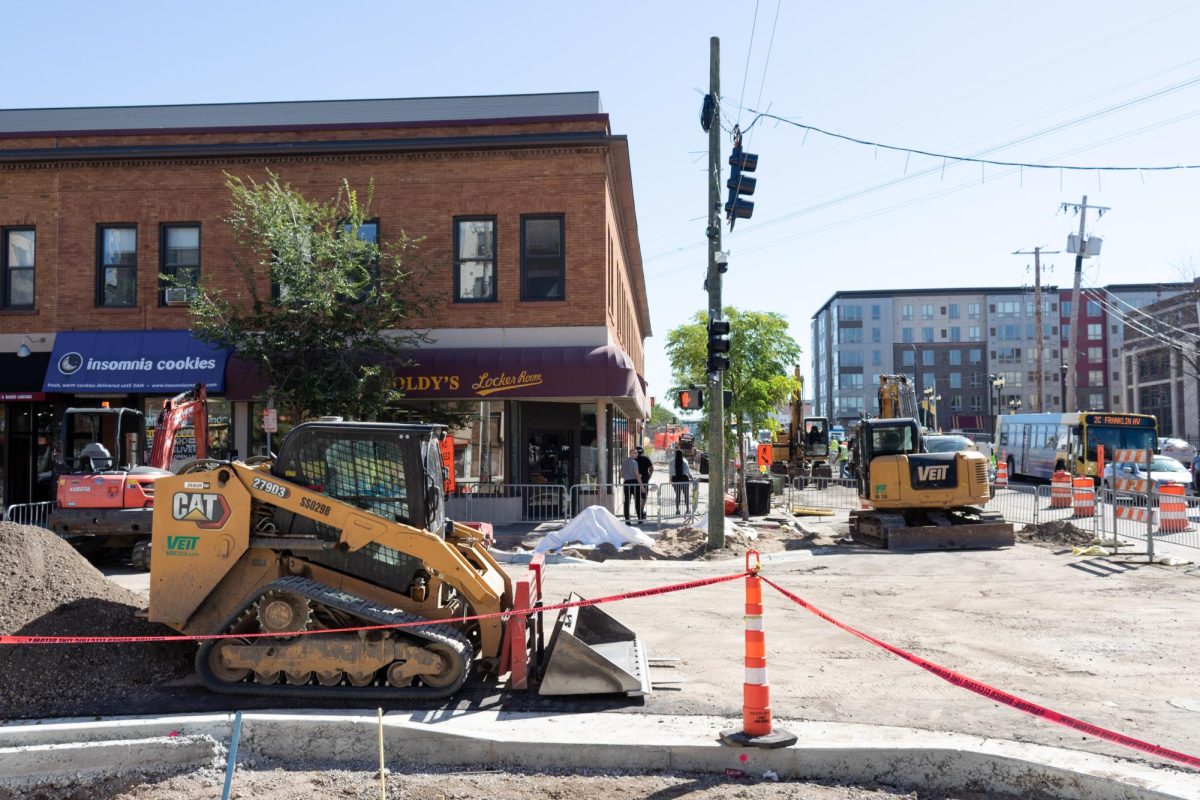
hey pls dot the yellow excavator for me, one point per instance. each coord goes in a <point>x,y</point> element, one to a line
<point>912,499</point>
<point>347,528</point>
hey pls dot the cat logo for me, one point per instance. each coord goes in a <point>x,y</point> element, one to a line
<point>931,474</point>
<point>208,511</point>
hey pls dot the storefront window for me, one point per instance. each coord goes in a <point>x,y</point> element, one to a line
<point>479,446</point>
<point>220,438</point>
<point>589,463</point>
<point>621,437</point>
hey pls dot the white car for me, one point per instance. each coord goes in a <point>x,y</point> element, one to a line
<point>1177,449</point>
<point>1163,470</point>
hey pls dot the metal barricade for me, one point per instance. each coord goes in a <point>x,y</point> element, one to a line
<point>612,496</point>
<point>1021,504</point>
<point>823,493</point>
<point>29,513</point>
<point>677,501</point>
<point>509,503</point>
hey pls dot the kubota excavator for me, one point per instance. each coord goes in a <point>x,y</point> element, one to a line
<point>105,495</point>
<point>347,528</point>
<point>914,500</point>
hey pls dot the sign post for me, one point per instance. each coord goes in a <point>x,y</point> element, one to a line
<point>270,422</point>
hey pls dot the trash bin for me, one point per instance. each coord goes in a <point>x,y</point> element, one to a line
<point>704,463</point>
<point>777,484</point>
<point>758,498</point>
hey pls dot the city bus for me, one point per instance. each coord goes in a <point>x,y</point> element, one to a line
<point>1038,445</point>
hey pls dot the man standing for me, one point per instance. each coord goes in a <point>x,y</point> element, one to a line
<point>843,458</point>
<point>645,470</point>
<point>632,480</point>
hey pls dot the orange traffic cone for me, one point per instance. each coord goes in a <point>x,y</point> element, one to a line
<point>757,730</point>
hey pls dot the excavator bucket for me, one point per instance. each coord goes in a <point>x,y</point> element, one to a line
<point>591,653</point>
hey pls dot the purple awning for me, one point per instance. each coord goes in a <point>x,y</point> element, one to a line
<point>561,373</point>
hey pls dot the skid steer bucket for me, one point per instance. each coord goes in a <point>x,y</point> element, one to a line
<point>592,653</point>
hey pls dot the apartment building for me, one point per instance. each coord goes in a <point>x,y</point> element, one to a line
<point>1160,364</point>
<point>973,352</point>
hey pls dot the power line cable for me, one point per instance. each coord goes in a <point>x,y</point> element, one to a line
<point>746,69</point>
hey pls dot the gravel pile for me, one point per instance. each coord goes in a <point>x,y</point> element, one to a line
<point>48,589</point>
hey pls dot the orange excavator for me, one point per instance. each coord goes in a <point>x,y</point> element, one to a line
<point>105,496</point>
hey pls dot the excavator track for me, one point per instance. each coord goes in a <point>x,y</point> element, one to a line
<point>948,529</point>
<point>224,669</point>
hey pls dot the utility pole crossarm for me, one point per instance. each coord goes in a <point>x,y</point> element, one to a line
<point>1072,402</point>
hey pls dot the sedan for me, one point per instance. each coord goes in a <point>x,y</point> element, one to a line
<point>1163,470</point>
<point>1177,449</point>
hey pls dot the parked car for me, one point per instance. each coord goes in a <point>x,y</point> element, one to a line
<point>1177,449</point>
<point>1163,470</point>
<point>953,443</point>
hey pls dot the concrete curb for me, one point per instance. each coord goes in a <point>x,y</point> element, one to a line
<point>840,753</point>
<point>28,766</point>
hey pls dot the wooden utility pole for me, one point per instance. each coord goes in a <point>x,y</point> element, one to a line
<point>1072,401</point>
<point>716,394</point>
<point>1039,405</point>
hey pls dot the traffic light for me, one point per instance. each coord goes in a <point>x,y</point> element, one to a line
<point>718,345</point>
<point>690,399</point>
<point>740,184</point>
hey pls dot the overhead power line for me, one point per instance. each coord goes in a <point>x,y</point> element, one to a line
<point>947,157</point>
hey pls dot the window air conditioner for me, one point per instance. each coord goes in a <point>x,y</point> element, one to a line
<point>176,296</point>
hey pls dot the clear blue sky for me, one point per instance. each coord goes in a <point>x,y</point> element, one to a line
<point>1112,79</point>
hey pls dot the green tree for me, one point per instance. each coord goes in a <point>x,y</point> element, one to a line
<point>327,328</point>
<point>660,415</point>
<point>762,356</point>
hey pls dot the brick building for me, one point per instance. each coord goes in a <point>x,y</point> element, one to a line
<point>530,251</point>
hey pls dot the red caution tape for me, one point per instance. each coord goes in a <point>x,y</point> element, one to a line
<point>674,587</point>
<point>999,696</point>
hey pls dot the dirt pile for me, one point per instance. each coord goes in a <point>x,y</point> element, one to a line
<point>690,544</point>
<point>48,589</point>
<point>1054,534</point>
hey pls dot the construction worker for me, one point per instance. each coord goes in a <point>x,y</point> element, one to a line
<point>843,458</point>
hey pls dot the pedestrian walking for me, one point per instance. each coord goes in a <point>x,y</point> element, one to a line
<point>843,458</point>
<point>645,470</point>
<point>631,479</point>
<point>681,481</point>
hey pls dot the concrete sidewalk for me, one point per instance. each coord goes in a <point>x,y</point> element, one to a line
<point>834,752</point>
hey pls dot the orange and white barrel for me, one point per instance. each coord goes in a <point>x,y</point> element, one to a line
<point>1001,474</point>
<point>1172,509</point>
<point>1060,489</point>
<point>1083,498</point>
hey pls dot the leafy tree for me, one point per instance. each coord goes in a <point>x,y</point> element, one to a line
<point>762,356</point>
<point>328,326</point>
<point>660,415</point>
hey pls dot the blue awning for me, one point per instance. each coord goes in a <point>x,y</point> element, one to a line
<point>137,362</point>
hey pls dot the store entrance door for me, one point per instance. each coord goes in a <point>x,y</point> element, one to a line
<point>549,459</point>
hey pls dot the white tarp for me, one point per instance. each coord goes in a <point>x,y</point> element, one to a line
<point>594,525</point>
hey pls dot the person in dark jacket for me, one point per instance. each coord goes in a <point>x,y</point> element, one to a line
<point>681,481</point>
<point>645,469</point>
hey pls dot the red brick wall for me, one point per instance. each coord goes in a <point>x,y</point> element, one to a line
<point>417,193</point>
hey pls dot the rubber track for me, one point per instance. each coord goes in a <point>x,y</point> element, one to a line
<point>371,614</point>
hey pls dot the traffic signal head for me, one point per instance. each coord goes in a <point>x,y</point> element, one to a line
<point>740,184</point>
<point>718,345</point>
<point>690,399</point>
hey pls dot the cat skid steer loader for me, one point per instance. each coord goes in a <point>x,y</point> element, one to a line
<point>346,528</point>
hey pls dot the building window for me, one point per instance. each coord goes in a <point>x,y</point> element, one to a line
<point>19,253</point>
<point>849,335</point>
<point>953,308</point>
<point>875,311</point>
<point>906,335</point>
<point>974,357</point>
<point>955,380</point>
<point>956,358</point>
<point>853,313</point>
<point>1095,354</point>
<point>1095,377</point>
<point>179,259</point>
<point>906,311</point>
<point>1066,308</point>
<point>926,334</point>
<point>850,380</point>
<point>1095,402</point>
<point>927,358</point>
<point>116,270</point>
<point>851,358</point>
<point>876,335</point>
<point>1093,308</point>
<point>876,358</point>
<point>956,402</point>
<point>474,260</point>
<point>926,311</point>
<point>972,310</point>
<point>907,358</point>
<point>976,380</point>
<point>1095,331</point>
<point>973,334</point>
<point>976,403</point>
<point>955,333</point>
<point>543,265</point>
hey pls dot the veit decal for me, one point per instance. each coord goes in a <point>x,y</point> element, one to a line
<point>931,473</point>
<point>182,545</point>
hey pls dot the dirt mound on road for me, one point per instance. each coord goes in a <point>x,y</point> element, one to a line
<point>48,589</point>
<point>690,544</point>
<point>1054,534</point>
